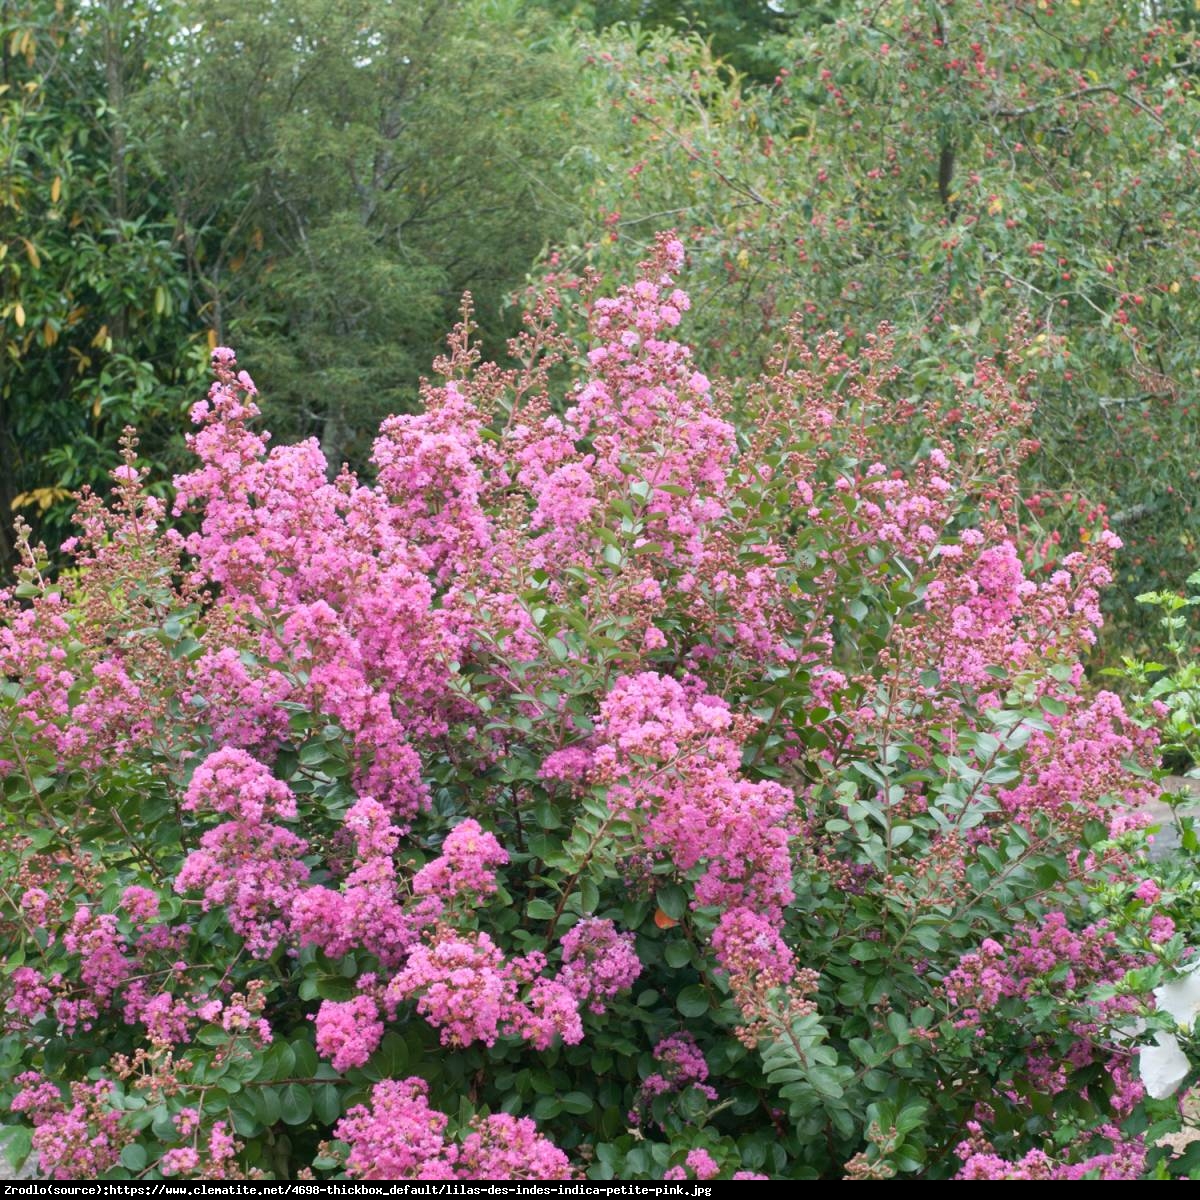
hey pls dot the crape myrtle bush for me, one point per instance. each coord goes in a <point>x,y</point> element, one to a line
<point>602,791</point>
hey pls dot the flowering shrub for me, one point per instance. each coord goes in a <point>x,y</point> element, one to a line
<point>607,789</point>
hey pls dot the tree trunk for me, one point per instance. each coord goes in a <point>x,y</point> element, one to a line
<point>115,85</point>
<point>335,436</point>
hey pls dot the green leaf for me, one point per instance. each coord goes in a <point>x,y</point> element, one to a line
<point>327,1103</point>
<point>267,1106</point>
<point>392,1057</point>
<point>314,754</point>
<point>134,1156</point>
<point>305,1057</point>
<point>18,1141</point>
<point>672,899</point>
<point>589,896</point>
<point>577,1103</point>
<point>162,1123</point>
<point>295,1103</point>
<point>333,988</point>
<point>692,1001</point>
<point>677,954</point>
<point>826,1081</point>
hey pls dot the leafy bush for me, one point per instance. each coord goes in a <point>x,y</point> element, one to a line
<point>605,789</point>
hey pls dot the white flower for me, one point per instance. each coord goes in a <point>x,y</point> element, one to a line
<point>1181,997</point>
<point>1164,1066</point>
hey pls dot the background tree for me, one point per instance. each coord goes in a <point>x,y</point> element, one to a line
<point>95,326</point>
<point>740,32</point>
<point>343,172</point>
<point>942,167</point>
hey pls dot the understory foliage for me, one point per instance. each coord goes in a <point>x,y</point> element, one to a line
<point>603,788</point>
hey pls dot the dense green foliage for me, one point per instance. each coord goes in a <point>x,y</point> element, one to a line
<point>95,315</point>
<point>942,167</point>
<point>319,181</point>
<point>342,173</point>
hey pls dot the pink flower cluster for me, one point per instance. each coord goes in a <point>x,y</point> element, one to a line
<point>464,868</point>
<point>217,1163</point>
<point>232,783</point>
<point>29,995</point>
<point>1071,772</point>
<point>112,973</point>
<point>104,965</point>
<point>700,1163</point>
<point>434,468</point>
<point>400,1137</point>
<point>644,410</point>
<point>81,1140</point>
<point>641,418</point>
<point>367,911</point>
<point>1032,954</point>
<point>325,579</point>
<point>671,756</point>
<point>242,1015</point>
<point>598,962</point>
<point>681,1065</point>
<point>984,613</point>
<point>244,702</point>
<point>85,714</point>
<point>1126,1160</point>
<point>750,950</point>
<point>506,1147</point>
<point>248,865</point>
<point>141,904</point>
<point>166,1017</point>
<point>463,985</point>
<point>348,1032</point>
<point>369,825</point>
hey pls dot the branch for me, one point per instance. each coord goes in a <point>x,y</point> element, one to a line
<point>695,156</point>
<point>1136,512</point>
<point>1077,95</point>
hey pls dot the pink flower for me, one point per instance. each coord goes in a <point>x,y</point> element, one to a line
<point>598,962</point>
<point>401,1137</point>
<point>506,1147</point>
<point>348,1032</point>
<point>141,904</point>
<point>461,986</point>
<point>398,1137</point>
<point>464,866</point>
<point>179,1161</point>
<point>749,949</point>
